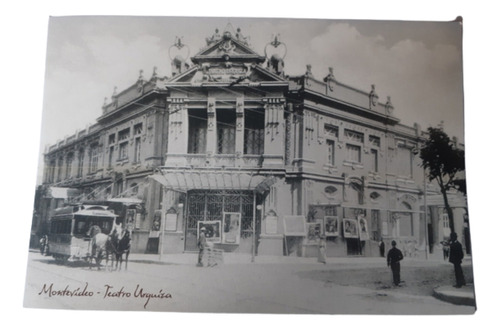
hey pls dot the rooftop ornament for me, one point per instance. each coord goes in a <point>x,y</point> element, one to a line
<point>154,76</point>
<point>389,108</point>
<point>241,37</point>
<point>215,37</point>
<point>275,53</point>
<point>373,97</point>
<point>140,82</point>
<point>330,79</point>
<point>178,53</point>
<point>114,98</point>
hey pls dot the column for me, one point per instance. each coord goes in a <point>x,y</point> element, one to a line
<point>211,126</point>
<point>274,132</point>
<point>240,126</point>
<point>177,132</point>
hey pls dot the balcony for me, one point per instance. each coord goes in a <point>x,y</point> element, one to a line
<point>221,161</point>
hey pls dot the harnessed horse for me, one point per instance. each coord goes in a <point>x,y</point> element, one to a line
<point>120,244</point>
<point>99,246</point>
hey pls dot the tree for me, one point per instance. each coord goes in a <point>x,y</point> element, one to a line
<point>442,161</point>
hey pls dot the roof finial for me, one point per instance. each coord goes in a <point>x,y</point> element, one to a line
<point>154,75</point>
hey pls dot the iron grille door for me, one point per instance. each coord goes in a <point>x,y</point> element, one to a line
<point>211,205</point>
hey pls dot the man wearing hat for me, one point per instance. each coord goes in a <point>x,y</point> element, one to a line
<point>393,257</point>
<point>202,243</point>
<point>456,256</point>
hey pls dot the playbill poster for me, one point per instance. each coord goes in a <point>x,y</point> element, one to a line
<point>168,141</point>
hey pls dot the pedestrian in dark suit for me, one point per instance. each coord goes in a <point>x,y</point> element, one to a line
<point>456,256</point>
<point>393,257</point>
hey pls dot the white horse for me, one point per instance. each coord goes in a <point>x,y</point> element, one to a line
<point>99,246</point>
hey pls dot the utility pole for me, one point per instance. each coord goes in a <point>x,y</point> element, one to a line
<point>425,219</point>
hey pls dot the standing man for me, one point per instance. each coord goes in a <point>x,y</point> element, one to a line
<point>393,257</point>
<point>202,243</point>
<point>456,256</point>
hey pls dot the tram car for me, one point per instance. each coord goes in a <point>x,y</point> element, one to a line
<point>69,234</point>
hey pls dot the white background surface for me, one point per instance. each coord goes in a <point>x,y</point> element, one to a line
<point>23,29</point>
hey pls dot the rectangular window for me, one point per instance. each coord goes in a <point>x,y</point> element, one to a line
<point>254,132</point>
<point>353,153</point>
<point>51,171</point>
<point>111,155</point>
<point>197,138</point>
<point>123,137</point>
<point>124,134</point>
<point>331,151</point>
<point>354,136</point>
<point>123,151</point>
<point>111,143</point>
<point>137,129</point>
<point>374,160</point>
<point>119,187</point>
<point>81,155</point>
<point>331,130</point>
<point>137,150</point>
<point>59,169</point>
<point>404,161</point>
<point>226,131</point>
<point>93,158</point>
<point>374,141</point>
<point>69,163</point>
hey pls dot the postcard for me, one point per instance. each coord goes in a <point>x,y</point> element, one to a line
<point>252,165</point>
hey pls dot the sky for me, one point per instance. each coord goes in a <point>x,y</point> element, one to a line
<point>417,64</point>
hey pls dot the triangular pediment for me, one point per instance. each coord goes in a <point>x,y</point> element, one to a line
<point>227,73</point>
<point>227,48</point>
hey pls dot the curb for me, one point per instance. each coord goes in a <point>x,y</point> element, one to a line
<point>463,296</point>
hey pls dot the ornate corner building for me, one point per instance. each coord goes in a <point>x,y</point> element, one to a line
<point>266,162</point>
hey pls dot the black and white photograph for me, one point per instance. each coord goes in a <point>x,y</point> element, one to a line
<point>212,230</point>
<point>363,229</point>
<point>314,232</point>
<point>232,231</point>
<point>169,143</point>
<point>331,226</point>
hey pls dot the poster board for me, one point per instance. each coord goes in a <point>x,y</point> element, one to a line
<point>171,222</point>
<point>314,231</point>
<point>294,225</point>
<point>363,229</point>
<point>350,228</point>
<point>331,226</point>
<point>231,228</point>
<point>130,219</point>
<point>271,224</point>
<point>212,231</point>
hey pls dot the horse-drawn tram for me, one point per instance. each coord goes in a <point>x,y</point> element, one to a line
<point>71,228</point>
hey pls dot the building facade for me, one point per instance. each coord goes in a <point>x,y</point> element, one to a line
<point>266,162</point>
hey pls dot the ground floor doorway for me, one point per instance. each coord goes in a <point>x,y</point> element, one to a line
<point>227,215</point>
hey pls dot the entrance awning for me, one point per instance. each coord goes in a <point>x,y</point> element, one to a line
<point>62,192</point>
<point>213,180</point>
<point>127,201</point>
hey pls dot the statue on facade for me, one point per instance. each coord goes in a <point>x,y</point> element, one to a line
<point>215,37</point>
